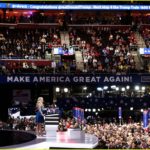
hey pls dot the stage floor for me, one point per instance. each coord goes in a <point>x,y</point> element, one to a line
<point>51,140</point>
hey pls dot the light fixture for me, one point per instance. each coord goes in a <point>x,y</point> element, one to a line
<point>94,110</point>
<point>137,87</point>
<point>86,110</point>
<point>89,110</point>
<point>131,108</point>
<point>127,87</point>
<point>113,87</point>
<point>142,110</point>
<point>84,88</point>
<point>117,88</point>
<point>99,89</point>
<point>105,87</point>
<point>65,90</point>
<point>123,89</point>
<point>143,88</point>
<point>57,89</point>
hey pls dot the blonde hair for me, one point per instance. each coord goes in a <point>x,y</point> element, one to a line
<point>39,102</point>
<point>40,99</point>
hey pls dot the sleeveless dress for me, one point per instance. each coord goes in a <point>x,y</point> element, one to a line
<point>39,117</point>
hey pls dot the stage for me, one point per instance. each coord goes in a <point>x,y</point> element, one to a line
<point>56,140</point>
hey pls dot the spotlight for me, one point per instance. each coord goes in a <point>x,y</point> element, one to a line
<point>137,87</point>
<point>123,89</point>
<point>117,88</point>
<point>99,89</point>
<point>105,87</point>
<point>86,110</point>
<point>94,110</point>
<point>143,88</point>
<point>57,89</point>
<point>85,88</point>
<point>113,87</point>
<point>131,108</point>
<point>142,110</point>
<point>65,90</point>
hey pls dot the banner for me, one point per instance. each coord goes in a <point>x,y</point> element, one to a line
<point>88,79</point>
<point>73,6</point>
<point>119,112</point>
<point>145,119</point>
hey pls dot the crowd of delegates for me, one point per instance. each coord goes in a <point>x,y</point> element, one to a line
<point>27,124</point>
<point>27,44</point>
<point>120,136</point>
<point>146,36</point>
<point>106,49</point>
<point>37,17</point>
<point>64,124</point>
<point>112,135</point>
<point>103,54</point>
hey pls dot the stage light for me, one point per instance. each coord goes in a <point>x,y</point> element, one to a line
<point>89,110</point>
<point>137,87</point>
<point>94,110</point>
<point>57,89</point>
<point>143,88</point>
<point>99,110</point>
<point>113,87</point>
<point>90,94</point>
<point>123,89</point>
<point>142,110</point>
<point>99,89</point>
<point>65,90</point>
<point>85,88</point>
<point>127,87</point>
<point>105,87</point>
<point>131,108</point>
<point>117,88</point>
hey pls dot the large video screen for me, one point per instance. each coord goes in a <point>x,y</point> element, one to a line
<point>58,51</point>
<point>63,51</point>
<point>69,51</point>
<point>144,51</point>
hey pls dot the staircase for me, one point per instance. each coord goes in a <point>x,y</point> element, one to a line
<point>79,60</point>
<point>140,40</point>
<point>65,38</point>
<point>136,54</point>
<point>137,59</point>
<point>52,119</point>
